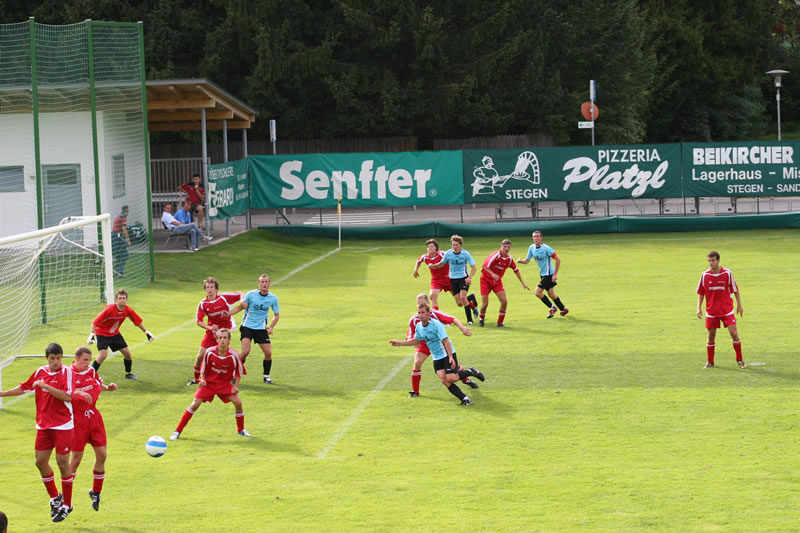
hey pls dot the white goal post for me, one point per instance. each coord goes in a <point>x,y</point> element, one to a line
<point>52,283</point>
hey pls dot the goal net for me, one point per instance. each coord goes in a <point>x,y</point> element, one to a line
<point>53,282</point>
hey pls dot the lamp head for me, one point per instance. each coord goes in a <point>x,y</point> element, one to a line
<point>777,75</point>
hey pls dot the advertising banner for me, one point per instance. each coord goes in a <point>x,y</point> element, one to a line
<point>362,180</point>
<point>741,169</point>
<point>228,189</point>
<point>572,173</point>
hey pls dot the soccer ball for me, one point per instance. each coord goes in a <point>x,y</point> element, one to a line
<point>156,446</point>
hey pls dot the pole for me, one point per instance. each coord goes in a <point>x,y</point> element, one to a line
<point>592,98</point>
<point>778,100</point>
<point>339,213</point>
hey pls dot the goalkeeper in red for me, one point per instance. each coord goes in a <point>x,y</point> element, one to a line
<point>105,330</point>
<point>716,286</point>
<point>220,374</point>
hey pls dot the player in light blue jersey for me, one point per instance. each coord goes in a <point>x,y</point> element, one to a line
<point>544,256</point>
<point>432,332</point>
<point>254,324</point>
<point>458,259</point>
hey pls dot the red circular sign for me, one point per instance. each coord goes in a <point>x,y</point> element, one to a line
<point>586,110</point>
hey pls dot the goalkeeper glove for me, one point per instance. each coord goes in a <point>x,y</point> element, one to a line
<point>150,336</point>
<point>91,338</point>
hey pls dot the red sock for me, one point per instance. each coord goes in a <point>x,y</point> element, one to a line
<point>737,347</point>
<point>196,374</point>
<point>66,489</point>
<point>187,415</point>
<point>710,352</point>
<point>473,305</point>
<point>482,315</point>
<point>97,486</point>
<point>435,307</point>
<point>239,421</point>
<point>50,484</point>
<point>500,317</point>
<point>416,377</point>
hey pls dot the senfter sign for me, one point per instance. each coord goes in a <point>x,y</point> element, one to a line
<point>374,179</point>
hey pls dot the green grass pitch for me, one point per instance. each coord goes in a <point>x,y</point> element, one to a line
<point>603,420</point>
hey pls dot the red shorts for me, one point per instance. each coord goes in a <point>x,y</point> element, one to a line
<point>92,431</point>
<point>207,394</point>
<point>209,340</point>
<point>442,285</point>
<point>489,284</point>
<point>727,320</point>
<point>60,439</point>
<point>423,348</point>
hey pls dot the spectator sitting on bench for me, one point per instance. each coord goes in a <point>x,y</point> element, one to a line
<point>184,215</point>
<point>178,228</point>
<point>196,194</point>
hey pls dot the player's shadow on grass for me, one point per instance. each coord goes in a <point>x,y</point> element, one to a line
<point>290,391</point>
<point>256,442</point>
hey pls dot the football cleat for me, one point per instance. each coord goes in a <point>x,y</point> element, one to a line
<point>63,512</point>
<point>469,383</point>
<point>245,433</point>
<point>130,376</point>
<point>709,365</point>
<point>552,312</point>
<point>55,504</point>
<point>466,401</point>
<point>480,322</point>
<point>95,496</point>
<point>413,394</point>
<point>477,373</point>
<point>564,312</point>
<point>469,323</point>
<point>192,382</point>
<point>268,381</point>
<point>501,325</point>
<point>175,435</point>
<point>741,364</point>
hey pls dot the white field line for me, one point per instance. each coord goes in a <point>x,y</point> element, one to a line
<point>13,400</point>
<point>362,406</point>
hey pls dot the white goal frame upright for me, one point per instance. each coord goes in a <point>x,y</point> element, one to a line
<point>67,224</point>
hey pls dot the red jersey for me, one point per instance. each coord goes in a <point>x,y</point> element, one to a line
<point>119,223</point>
<point>52,413</point>
<point>87,381</point>
<point>214,309</point>
<point>108,321</point>
<point>191,194</point>
<point>439,274</point>
<point>498,264</point>
<point>717,289</point>
<point>220,370</point>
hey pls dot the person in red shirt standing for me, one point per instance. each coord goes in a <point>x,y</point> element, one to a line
<point>217,308</point>
<point>440,277</point>
<point>492,272</point>
<point>716,286</point>
<point>196,194</point>
<point>105,330</point>
<point>220,374</point>
<point>53,384</point>
<point>89,427</point>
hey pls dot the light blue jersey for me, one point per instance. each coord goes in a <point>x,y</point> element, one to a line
<point>433,334</point>
<point>458,262</point>
<point>258,307</point>
<point>542,255</point>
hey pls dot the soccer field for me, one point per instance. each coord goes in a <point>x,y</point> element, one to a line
<point>603,420</point>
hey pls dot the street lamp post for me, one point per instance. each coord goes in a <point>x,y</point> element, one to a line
<point>777,75</point>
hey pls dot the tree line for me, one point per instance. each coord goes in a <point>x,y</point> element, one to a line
<point>666,71</point>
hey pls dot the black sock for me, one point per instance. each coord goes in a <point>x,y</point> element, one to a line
<point>468,313</point>
<point>128,365</point>
<point>96,366</point>
<point>267,366</point>
<point>546,301</point>
<point>455,391</point>
<point>559,304</point>
<point>463,374</point>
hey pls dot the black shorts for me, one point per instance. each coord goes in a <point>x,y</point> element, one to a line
<point>444,364</point>
<point>116,343</point>
<point>259,336</point>
<point>547,283</point>
<point>458,284</point>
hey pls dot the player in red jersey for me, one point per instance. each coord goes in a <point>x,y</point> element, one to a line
<point>214,306</point>
<point>220,374</point>
<point>716,286</point>
<point>423,352</point>
<point>105,330</point>
<point>54,425</point>
<point>492,272</point>
<point>440,277</point>
<point>89,427</point>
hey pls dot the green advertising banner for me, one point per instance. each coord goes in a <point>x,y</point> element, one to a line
<point>228,189</point>
<point>741,169</point>
<point>362,180</point>
<point>572,173</point>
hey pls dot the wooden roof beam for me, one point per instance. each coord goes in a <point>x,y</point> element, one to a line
<point>168,116</point>
<point>192,103</point>
<point>210,125</point>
